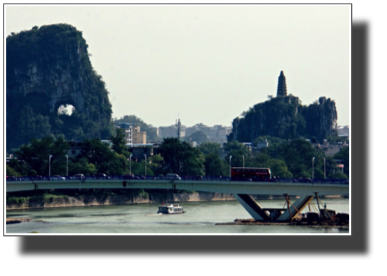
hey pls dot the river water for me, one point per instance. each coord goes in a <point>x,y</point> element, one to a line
<point>200,218</point>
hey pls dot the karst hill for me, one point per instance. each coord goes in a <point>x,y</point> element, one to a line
<point>285,117</point>
<point>47,69</point>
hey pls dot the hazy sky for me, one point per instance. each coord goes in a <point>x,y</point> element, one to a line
<point>207,63</point>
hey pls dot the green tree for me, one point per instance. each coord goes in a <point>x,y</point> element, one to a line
<point>156,164</point>
<point>237,150</point>
<point>82,166</point>
<point>343,155</point>
<point>138,168</point>
<point>58,151</point>
<point>119,142</point>
<point>213,165</point>
<point>298,156</point>
<point>210,147</point>
<point>12,172</point>
<point>181,158</point>
<point>36,155</point>
<point>99,154</point>
<point>278,167</point>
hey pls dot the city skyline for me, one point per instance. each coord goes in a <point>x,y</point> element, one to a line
<point>207,63</point>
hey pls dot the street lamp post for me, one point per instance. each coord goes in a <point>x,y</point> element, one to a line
<point>324,169</point>
<point>230,165</point>
<point>130,164</point>
<point>145,164</point>
<point>67,168</point>
<point>313,167</point>
<point>243,160</point>
<point>49,166</point>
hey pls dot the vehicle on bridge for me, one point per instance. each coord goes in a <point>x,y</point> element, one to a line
<point>57,177</point>
<point>253,174</point>
<point>172,176</point>
<point>78,176</point>
<point>101,176</point>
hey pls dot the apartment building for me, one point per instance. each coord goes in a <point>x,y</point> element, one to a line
<point>133,134</point>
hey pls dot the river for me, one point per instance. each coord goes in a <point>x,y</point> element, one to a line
<point>200,218</point>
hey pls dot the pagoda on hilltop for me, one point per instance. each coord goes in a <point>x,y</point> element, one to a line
<point>281,89</point>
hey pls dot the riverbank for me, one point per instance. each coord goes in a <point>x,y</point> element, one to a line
<point>95,197</point>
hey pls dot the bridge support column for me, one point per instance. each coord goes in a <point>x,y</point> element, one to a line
<point>299,204</point>
<point>252,207</point>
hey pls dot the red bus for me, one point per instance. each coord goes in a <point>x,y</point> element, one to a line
<point>239,173</point>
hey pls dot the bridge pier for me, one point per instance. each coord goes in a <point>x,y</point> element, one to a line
<point>252,207</point>
<point>273,214</point>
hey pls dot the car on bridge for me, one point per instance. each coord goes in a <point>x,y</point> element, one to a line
<point>101,176</point>
<point>78,176</point>
<point>172,176</point>
<point>57,177</point>
<point>128,176</point>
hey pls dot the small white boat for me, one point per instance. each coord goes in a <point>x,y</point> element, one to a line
<point>170,209</point>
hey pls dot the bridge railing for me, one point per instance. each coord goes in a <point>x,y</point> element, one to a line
<point>182,178</point>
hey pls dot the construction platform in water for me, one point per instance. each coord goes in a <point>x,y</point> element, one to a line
<point>322,223</point>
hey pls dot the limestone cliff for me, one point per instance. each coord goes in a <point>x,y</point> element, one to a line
<point>48,67</point>
<point>285,117</point>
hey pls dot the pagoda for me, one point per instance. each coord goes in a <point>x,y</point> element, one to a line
<point>281,89</point>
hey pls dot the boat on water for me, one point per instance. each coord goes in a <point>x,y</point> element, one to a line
<point>170,209</point>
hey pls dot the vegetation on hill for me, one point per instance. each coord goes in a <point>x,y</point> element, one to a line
<point>47,67</point>
<point>286,118</point>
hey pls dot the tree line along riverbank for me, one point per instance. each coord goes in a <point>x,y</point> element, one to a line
<point>94,197</point>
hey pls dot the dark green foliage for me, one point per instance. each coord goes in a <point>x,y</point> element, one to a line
<point>119,142</point>
<point>213,165</point>
<point>12,171</point>
<point>209,147</point>
<point>36,156</point>
<point>343,155</point>
<point>37,62</point>
<point>81,166</point>
<point>237,150</point>
<point>286,118</point>
<point>181,158</point>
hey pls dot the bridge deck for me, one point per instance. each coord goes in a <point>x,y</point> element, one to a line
<point>230,187</point>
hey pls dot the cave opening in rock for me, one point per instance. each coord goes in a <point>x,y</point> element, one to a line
<point>66,109</point>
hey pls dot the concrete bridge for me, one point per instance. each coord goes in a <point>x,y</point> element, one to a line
<point>240,189</point>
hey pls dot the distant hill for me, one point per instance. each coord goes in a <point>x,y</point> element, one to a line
<point>151,134</point>
<point>198,136</point>
<point>285,117</point>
